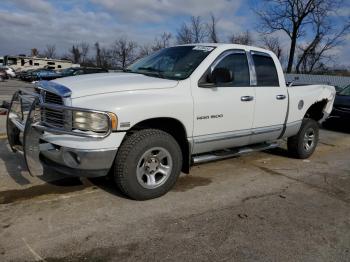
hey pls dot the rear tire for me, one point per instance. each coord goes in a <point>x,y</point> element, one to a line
<point>148,164</point>
<point>303,144</point>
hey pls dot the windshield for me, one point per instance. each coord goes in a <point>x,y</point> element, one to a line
<point>345,91</point>
<point>172,63</point>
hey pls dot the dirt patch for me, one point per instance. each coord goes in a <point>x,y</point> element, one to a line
<point>122,253</point>
<point>188,182</point>
<point>57,187</point>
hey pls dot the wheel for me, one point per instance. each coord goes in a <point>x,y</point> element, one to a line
<point>148,164</point>
<point>303,144</point>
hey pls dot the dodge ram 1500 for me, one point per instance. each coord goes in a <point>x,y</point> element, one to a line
<point>178,107</point>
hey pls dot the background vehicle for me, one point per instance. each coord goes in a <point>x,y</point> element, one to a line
<point>9,71</point>
<point>23,75</point>
<point>3,75</point>
<point>178,107</point>
<point>43,74</point>
<point>39,74</point>
<point>73,71</point>
<point>23,62</point>
<point>341,108</point>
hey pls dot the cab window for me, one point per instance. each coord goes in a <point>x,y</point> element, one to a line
<point>237,64</point>
<point>265,69</point>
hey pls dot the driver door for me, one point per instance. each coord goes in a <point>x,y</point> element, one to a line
<point>223,112</point>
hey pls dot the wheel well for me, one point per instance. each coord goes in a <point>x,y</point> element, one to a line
<point>315,111</point>
<point>173,127</point>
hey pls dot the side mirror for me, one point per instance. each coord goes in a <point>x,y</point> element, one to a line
<point>221,75</point>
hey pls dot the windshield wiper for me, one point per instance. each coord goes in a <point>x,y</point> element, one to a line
<point>153,71</point>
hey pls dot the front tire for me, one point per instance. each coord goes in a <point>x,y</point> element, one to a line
<point>303,144</point>
<point>148,164</point>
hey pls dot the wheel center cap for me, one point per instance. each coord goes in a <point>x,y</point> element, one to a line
<point>152,165</point>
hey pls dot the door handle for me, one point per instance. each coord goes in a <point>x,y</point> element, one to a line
<point>247,98</point>
<point>280,97</point>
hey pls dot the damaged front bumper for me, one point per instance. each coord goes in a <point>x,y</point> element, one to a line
<point>28,133</point>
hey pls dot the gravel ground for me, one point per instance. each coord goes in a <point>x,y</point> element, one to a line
<point>261,207</point>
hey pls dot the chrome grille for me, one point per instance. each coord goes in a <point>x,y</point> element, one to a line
<point>52,117</point>
<point>52,98</point>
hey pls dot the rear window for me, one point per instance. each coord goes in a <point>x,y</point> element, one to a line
<point>266,72</point>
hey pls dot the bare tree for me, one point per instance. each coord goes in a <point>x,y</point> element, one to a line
<point>124,52</point>
<point>34,52</point>
<point>212,30</point>
<point>198,29</point>
<point>84,52</point>
<point>50,51</point>
<point>242,39</point>
<point>75,54</point>
<point>162,41</point>
<point>315,53</point>
<point>273,44</point>
<point>184,35</point>
<point>144,50</point>
<point>103,56</point>
<point>98,54</point>
<point>194,32</point>
<point>292,17</point>
<point>106,56</point>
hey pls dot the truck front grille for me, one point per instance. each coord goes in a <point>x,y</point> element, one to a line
<point>52,117</point>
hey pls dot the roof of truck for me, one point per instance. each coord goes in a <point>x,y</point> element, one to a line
<point>229,46</point>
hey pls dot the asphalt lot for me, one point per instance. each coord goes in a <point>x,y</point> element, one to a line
<point>261,207</point>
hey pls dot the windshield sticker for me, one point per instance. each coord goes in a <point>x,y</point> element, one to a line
<point>203,48</point>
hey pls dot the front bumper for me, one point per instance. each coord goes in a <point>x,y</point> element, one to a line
<point>65,152</point>
<point>77,162</point>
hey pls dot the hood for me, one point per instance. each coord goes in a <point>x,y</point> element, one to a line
<point>93,84</point>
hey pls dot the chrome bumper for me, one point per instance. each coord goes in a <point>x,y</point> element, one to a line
<point>26,132</point>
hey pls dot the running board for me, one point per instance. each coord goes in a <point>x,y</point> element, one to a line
<point>228,153</point>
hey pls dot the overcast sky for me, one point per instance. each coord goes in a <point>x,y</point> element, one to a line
<point>26,24</point>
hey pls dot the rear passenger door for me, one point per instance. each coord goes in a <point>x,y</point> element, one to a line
<point>271,99</point>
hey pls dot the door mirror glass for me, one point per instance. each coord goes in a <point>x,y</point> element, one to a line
<point>221,75</point>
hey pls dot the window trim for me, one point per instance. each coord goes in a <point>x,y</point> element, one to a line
<point>251,53</point>
<point>223,55</point>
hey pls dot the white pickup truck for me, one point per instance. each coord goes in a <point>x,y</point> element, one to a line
<point>180,106</point>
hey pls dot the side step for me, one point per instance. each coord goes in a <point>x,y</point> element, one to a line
<point>228,153</point>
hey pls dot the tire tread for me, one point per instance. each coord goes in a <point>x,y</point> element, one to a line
<point>121,168</point>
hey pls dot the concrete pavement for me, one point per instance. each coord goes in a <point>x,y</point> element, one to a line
<point>261,207</point>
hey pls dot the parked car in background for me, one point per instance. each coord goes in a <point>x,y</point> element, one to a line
<point>43,74</point>
<point>39,74</point>
<point>3,75</point>
<point>22,75</point>
<point>49,74</point>
<point>74,71</point>
<point>341,107</point>
<point>9,71</point>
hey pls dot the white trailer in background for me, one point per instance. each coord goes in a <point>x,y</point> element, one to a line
<point>20,63</point>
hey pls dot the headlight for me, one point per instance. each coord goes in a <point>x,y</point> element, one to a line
<point>96,122</point>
